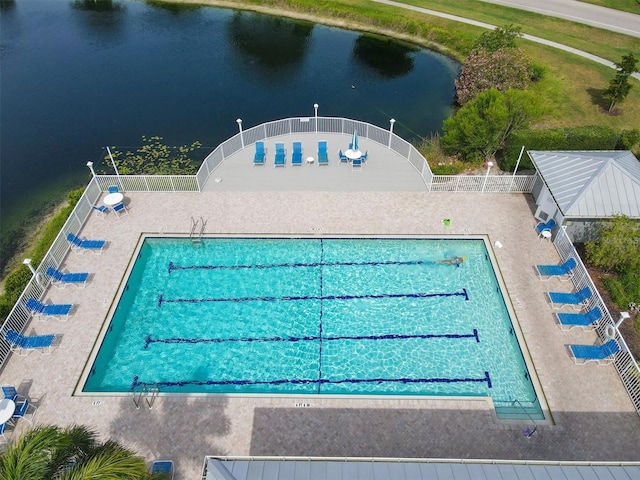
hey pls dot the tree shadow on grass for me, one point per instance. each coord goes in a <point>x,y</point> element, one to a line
<point>598,99</point>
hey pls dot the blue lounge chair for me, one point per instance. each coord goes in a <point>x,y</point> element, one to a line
<point>22,410</point>
<point>576,299</point>
<point>260,155</point>
<point>23,345</point>
<point>39,309</point>
<point>60,279</point>
<point>81,245</point>
<point>162,468</point>
<point>547,272</point>
<point>296,155</point>
<point>323,156</point>
<point>101,210</point>
<point>343,157</point>
<point>602,354</point>
<point>280,159</point>
<point>585,321</point>
<point>548,225</point>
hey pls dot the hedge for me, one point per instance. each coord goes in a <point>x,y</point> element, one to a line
<point>570,138</point>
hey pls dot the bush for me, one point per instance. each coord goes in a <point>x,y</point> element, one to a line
<point>570,138</point>
<point>624,289</point>
<point>483,70</point>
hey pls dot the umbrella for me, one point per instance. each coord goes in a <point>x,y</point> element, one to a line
<point>354,140</point>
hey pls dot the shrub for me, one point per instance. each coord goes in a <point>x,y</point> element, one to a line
<point>481,127</point>
<point>483,70</point>
<point>570,138</point>
<point>617,247</point>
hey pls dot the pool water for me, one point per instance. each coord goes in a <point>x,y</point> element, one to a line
<point>314,316</point>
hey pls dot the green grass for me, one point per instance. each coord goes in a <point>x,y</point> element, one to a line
<point>632,6</point>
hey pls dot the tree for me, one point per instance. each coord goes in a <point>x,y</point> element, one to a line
<point>155,158</point>
<point>503,69</point>
<point>619,86</point>
<point>498,39</point>
<point>49,452</point>
<point>481,126</point>
<point>617,246</point>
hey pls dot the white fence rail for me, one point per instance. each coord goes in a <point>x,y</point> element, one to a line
<point>624,362</point>
<point>149,183</point>
<point>19,315</point>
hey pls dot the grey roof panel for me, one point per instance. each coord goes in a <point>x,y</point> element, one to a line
<point>591,184</point>
<point>283,469</point>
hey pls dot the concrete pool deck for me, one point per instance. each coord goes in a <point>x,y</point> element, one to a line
<point>593,417</point>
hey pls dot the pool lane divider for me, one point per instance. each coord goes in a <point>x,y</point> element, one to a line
<point>175,267</point>
<point>320,315</point>
<point>307,381</point>
<point>312,338</point>
<point>292,298</point>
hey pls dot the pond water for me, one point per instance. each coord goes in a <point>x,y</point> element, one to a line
<point>78,75</point>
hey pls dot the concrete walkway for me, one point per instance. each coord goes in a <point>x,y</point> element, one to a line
<point>488,26</point>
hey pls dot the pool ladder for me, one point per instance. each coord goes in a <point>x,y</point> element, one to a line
<point>146,392</point>
<point>197,229</point>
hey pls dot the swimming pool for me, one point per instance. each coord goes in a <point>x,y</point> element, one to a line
<point>330,316</point>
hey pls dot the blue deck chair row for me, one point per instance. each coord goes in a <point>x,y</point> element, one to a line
<point>323,155</point>
<point>22,345</point>
<point>261,154</point>
<point>60,279</point>
<point>562,271</point>
<point>601,354</point>
<point>39,309</point>
<point>81,245</point>
<point>280,158</point>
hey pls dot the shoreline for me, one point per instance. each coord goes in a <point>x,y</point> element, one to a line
<point>324,20</point>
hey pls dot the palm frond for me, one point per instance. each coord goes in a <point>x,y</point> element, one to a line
<point>28,458</point>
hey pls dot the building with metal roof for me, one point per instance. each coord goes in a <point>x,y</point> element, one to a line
<point>580,188</point>
<point>283,468</point>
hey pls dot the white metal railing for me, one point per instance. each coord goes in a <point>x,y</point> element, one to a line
<point>483,183</point>
<point>625,364</point>
<point>149,183</point>
<point>19,315</point>
<point>320,125</point>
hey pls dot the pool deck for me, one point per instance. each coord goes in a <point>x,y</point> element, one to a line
<point>593,418</point>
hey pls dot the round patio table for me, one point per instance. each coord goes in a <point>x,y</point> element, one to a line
<point>113,199</point>
<point>7,407</point>
<point>353,154</point>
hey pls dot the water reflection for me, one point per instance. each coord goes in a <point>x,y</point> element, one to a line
<point>385,57</point>
<point>97,5</point>
<point>270,41</point>
<point>174,8</point>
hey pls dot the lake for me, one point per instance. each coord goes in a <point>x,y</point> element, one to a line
<point>78,75</point>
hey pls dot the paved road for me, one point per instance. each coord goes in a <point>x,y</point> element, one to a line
<point>575,11</point>
<point>532,38</point>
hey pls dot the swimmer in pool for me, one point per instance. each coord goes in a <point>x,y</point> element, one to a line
<point>452,261</point>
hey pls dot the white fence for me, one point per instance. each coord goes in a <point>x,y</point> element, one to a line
<point>624,362</point>
<point>20,315</point>
<point>320,125</point>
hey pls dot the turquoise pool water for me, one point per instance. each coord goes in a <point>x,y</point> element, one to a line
<point>313,316</point>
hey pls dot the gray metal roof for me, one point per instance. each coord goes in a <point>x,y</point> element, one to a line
<point>352,469</point>
<point>591,184</point>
